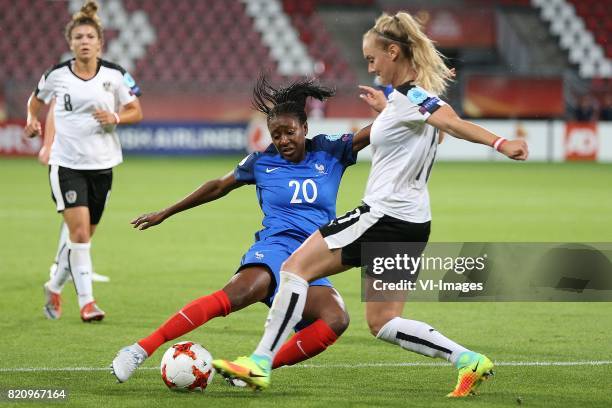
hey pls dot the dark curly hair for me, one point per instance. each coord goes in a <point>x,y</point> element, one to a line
<point>289,100</point>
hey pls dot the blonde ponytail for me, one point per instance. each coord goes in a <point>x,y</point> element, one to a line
<point>428,63</point>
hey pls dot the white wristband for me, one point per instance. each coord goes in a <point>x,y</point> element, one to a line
<point>498,143</point>
<point>117,120</point>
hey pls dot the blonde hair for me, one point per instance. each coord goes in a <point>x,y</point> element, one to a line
<point>403,30</point>
<point>87,15</point>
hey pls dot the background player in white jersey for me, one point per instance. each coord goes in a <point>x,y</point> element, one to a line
<point>92,97</point>
<point>43,158</point>
<point>395,207</point>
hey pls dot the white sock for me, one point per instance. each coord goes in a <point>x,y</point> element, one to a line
<point>63,240</point>
<point>62,272</point>
<point>421,338</point>
<point>80,267</point>
<point>285,313</point>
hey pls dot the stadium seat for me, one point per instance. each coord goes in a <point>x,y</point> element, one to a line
<point>582,28</point>
<point>151,35</point>
<point>605,69</point>
<point>319,44</point>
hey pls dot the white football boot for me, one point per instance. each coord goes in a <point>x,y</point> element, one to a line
<point>128,359</point>
<point>53,303</point>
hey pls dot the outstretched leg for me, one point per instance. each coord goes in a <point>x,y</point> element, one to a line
<point>325,309</point>
<point>386,323</point>
<point>249,286</point>
<point>310,261</point>
<point>245,288</point>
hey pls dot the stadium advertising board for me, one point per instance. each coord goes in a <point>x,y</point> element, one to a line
<point>146,138</point>
<point>183,138</point>
<point>13,144</point>
<point>490,96</point>
<point>456,28</point>
<point>581,141</point>
<point>549,141</point>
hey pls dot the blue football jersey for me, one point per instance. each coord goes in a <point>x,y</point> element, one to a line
<point>298,198</point>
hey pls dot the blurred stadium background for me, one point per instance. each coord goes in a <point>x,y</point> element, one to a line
<point>539,69</point>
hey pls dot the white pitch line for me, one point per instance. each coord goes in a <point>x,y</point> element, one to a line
<point>356,365</point>
<point>440,364</point>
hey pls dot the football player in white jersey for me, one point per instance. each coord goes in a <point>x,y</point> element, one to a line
<point>395,207</point>
<point>92,97</point>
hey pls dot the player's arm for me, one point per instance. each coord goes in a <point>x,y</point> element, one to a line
<point>48,136</point>
<point>377,101</point>
<point>130,113</point>
<point>442,134</point>
<point>445,119</point>
<point>361,139</point>
<point>209,191</point>
<point>373,97</point>
<point>33,127</point>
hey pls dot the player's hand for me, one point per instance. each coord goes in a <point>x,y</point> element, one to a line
<point>32,128</point>
<point>43,155</point>
<point>373,97</point>
<point>148,220</point>
<point>515,149</point>
<point>105,118</point>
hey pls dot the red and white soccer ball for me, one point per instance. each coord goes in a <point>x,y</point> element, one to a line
<point>187,366</point>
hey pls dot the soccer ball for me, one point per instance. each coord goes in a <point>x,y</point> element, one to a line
<point>187,366</point>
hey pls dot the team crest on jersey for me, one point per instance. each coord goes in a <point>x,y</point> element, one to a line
<point>71,196</point>
<point>320,168</point>
<point>107,86</point>
<point>417,95</point>
<point>259,255</point>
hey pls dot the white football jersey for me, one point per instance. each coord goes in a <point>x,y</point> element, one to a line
<point>403,152</point>
<point>80,142</point>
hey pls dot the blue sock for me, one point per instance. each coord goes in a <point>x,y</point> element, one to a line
<point>466,358</point>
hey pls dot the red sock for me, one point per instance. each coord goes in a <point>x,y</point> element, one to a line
<point>305,344</point>
<point>188,318</point>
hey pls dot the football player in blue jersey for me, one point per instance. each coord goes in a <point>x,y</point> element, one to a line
<point>297,181</point>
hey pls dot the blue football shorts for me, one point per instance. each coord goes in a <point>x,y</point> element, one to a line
<point>271,253</point>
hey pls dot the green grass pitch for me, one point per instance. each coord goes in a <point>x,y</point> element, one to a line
<point>156,272</point>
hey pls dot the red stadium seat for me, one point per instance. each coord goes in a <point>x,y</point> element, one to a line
<point>317,40</point>
<point>198,42</point>
<point>596,15</point>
